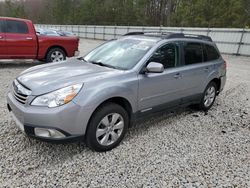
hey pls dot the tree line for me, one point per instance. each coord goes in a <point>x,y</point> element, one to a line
<point>174,13</point>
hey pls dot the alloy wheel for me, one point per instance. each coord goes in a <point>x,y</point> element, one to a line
<point>209,96</point>
<point>109,129</point>
<point>57,56</point>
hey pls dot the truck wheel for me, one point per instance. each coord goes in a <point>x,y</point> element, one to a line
<point>208,97</point>
<point>107,127</point>
<point>55,55</point>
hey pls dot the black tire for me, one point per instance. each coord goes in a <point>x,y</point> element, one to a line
<point>55,55</point>
<point>102,112</point>
<point>202,104</point>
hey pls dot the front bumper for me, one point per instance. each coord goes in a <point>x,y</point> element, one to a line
<point>71,119</point>
<point>29,130</point>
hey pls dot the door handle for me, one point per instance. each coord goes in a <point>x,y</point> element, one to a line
<point>29,38</point>
<point>177,75</point>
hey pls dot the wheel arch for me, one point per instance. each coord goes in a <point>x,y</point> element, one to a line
<point>120,101</point>
<point>217,81</point>
<point>56,46</point>
<point>123,102</point>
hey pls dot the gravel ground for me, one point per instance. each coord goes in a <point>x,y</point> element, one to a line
<point>182,149</point>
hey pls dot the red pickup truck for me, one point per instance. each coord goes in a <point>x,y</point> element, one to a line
<point>19,40</point>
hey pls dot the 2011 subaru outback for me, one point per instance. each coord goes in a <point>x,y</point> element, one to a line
<point>97,97</point>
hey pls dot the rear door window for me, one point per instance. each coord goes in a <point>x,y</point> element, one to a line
<point>1,26</point>
<point>13,26</point>
<point>210,53</point>
<point>193,53</point>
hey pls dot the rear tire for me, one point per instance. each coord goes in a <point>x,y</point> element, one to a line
<point>55,55</point>
<point>208,97</point>
<point>107,127</point>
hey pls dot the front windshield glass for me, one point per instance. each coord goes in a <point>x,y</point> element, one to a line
<point>123,53</point>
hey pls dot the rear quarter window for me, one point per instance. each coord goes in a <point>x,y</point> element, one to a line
<point>13,26</point>
<point>193,53</point>
<point>210,53</point>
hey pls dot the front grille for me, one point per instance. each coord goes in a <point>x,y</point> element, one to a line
<point>20,92</point>
<point>20,97</point>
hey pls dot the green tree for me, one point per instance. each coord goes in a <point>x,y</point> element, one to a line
<point>185,13</point>
<point>14,10</point>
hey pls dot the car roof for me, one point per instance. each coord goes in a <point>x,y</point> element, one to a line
<point>18,19</point>
<point>143,38</point>
<point>169,35</point>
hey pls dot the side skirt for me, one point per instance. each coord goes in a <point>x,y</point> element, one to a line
<point>166,107</point>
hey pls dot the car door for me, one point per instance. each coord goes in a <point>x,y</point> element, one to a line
<point>3,51</point>
<point>195,71</point>
<point>20,42</point>
<point>162,89</point>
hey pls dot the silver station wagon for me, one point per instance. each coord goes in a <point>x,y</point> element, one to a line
<point>96,98</point>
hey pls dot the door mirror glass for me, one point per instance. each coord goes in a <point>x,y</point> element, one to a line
<point>154,67</point>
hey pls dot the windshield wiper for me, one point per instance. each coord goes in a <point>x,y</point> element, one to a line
<point>99,63</point>
<point>103,65</point>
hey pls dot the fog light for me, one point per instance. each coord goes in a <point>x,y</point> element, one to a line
<point>48,133</point>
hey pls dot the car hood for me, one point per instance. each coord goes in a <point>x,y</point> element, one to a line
<point>46,78</point>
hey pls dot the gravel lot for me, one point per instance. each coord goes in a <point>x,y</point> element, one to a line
<point>186,148</point>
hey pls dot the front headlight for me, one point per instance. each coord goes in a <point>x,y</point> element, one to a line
<point>58,97</point>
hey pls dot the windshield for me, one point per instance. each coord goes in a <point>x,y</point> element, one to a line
<point>123,53</point>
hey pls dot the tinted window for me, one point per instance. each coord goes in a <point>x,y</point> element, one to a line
<point>193,53</point>
<point>166,55</point>
<point>210,53</point>
<point>1,26</point>
<point>13,26</point>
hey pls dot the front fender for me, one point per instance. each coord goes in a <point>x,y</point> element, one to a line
<point>95,96</point>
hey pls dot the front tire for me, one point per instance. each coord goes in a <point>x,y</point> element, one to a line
<point>107,127</point>
<point>55,55</point>
<point>208,97</point>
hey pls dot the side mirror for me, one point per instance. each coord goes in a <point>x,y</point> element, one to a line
<point>154,67</point>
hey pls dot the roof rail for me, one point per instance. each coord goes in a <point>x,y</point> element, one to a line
<point>134,33</point>
<point>170,35</point>
<point>193,36</point>
<point>147,32</point>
